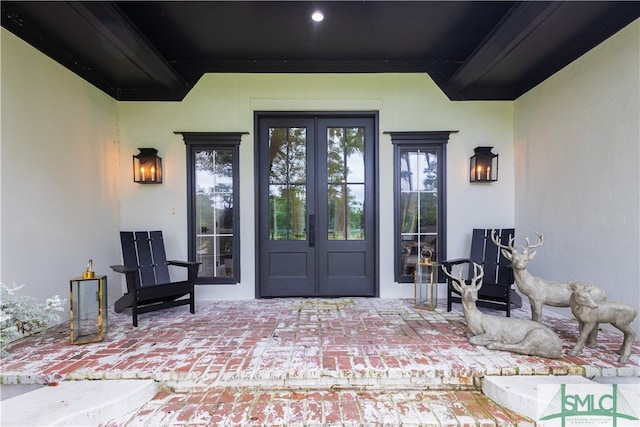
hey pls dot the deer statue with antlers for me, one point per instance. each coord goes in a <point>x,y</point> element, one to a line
<point>540,291</point>
<point>520,336</point>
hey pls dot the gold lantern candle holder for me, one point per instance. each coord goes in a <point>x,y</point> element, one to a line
<point>426,286</point>
<point>88,307</point>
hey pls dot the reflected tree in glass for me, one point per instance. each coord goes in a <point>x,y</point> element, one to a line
<point>345,183</point>
<point>287,183</point>
<point>214,211</point>
<point>418,205</point>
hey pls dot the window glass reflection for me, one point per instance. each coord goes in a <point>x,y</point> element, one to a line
<point>287,183</point>
<point>418,205</point>
<point>346,183</point>
<point>214,212</point>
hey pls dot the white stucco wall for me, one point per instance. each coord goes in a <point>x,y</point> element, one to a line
<point>577,154</point>
<point>227,102</point>
<point>59,174</point>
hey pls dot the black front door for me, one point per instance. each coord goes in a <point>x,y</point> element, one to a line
<point>316,206</point>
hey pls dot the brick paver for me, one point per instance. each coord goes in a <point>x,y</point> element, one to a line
<point>322,407</point>
<point>348,361</point>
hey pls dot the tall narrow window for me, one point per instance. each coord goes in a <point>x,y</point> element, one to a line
<point>419,195</point>
<point>212,188</point>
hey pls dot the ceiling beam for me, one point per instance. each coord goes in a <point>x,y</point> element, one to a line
<point>313,66</point>
<point>115,27</point>
<point>619,15</point>
<point>517,25</point>
<point>19,24</point>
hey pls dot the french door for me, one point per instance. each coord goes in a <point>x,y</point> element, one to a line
<point>316,206</point>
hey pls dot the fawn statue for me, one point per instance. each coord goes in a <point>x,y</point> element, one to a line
<point>590,312</point>
<point>520,336</point>
<point>540,291</point>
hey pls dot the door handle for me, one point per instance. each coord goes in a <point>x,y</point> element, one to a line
<point>312,231</point>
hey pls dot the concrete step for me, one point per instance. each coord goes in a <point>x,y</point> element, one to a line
<point>522,393</point>
<point>75,403</point>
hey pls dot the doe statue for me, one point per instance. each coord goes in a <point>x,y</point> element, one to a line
<point>590,312</point>
<point>520,336</point>
<point>539,291</point>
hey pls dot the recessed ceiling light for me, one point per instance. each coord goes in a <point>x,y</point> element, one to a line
<point>317,16</point>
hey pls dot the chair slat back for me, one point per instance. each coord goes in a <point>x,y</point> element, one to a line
<point>477,248</point>
<point>505,271</point>
<point>145,260</point>
<point>484,252</point>
<point>129,255</point>
<point>159,257</point>
<point>145,250</point>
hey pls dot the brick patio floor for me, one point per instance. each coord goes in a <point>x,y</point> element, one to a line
<point>347,361</point>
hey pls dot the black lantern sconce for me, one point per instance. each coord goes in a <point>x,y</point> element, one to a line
<point>484,165</point>
<point>147,167</point>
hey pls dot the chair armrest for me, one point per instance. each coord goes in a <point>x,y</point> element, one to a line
<point>183,263</point>
<point>124,269</point>
<point>192,268</point>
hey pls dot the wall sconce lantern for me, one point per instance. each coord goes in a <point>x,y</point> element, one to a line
<point>147,167</point>
<point>484,165</point>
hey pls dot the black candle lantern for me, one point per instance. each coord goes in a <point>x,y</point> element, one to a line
<point>147,167</point>
<point>484,165</point>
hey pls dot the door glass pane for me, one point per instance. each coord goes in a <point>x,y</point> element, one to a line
<point>287,183</point>
<point>355,194</point>
<point>297,202</point>
<point>335,155</point>
<point>345,183</point>
<point>214,211</point>
<point>418,205</point>
<point>278,226</point>
<point>336,212</point>
<point>278,155</point>
<point>355,155</point>
<point>297,156</point>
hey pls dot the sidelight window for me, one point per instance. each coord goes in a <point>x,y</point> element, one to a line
<point>419,195</point>
<point>212,181</point>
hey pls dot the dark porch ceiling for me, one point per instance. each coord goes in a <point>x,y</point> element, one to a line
<point>473,50</point>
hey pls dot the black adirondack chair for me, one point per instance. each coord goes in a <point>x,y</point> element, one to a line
<point>497,291</point>
<point>149,287</point>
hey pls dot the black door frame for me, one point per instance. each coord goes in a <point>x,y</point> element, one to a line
<point>374,116</point>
